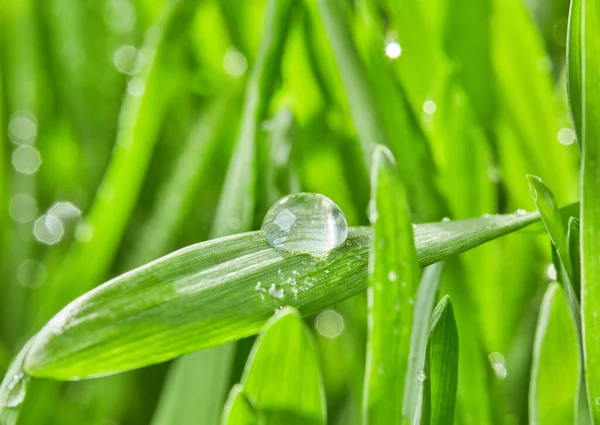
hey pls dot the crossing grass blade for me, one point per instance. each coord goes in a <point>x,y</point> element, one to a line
<point>424,304</point>
<point>238,410</point>
<point>204,295</point>
<point>555,373</point>
<point>393,281</point>
<point>584,43</point>
<point>282,379</point>
<point>440,370</point>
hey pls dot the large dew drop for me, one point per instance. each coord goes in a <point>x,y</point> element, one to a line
<point>306,223</point>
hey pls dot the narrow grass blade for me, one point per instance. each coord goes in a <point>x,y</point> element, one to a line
<point>589,33</point>
<point>282,377</point>
<point>14,389</point>
<point>555,373</point>
<point>208,294</point>
<point>573,237</point>
<point>393,280</point>
<point>418,338</point>
<point>440,370</point>
<point>574,66</point>
<point>186,387</point>
<point>238,410</point>
<point>237,204</point>
<point>552,219</point>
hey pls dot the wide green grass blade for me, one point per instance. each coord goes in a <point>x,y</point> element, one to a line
<point>393,280</point>
<point>589,50</point>
<point>424,304</point>
<point>282,377</point>
<point>440,370</point>
<point>13,389</point>
<point>187,387</point>
<point>208,294</point>
<point>555,373</point>
<point>238,410</point>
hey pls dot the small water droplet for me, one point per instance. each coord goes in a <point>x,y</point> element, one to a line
<point>551,271</point>
<point>566,136</point>
<point>411,301</point>
<point>446,219</point>
<point>486,215</point>
<point>330,324</point>
<point>520,212</point>
<point>306,223</point>
<point>276,292</point>
<point>16,390</point>
<point>498,364</point>
<point>597,401</point>
<point>393,50</point>
<point>421,375</point>
<point>392,276</point>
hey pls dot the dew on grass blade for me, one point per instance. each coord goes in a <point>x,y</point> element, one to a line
<point>16,390</point>
<point>499,365</point>
<point>306,223</point>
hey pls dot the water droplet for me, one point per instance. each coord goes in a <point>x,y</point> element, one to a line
<point>276,292</point>
<point>429,107</point>
<point>392,276</point>
<point>136,87</point>
<point>393,50</point>
<point>411,301</point>
<point>446,219</point>
<point>16,390</point>
<point>597,401</point>
<point>421,375</point>
<point>566,136</point>
<point>22,128</point>
<point>330,324</point>
<point>26,159</point>
<point>307,223</point>
<point>234,63</point>
<point>22,208</point>
<point>498,364</point>
<point>128,60</point>
<point>551,271</point>
<point>48,229</point>
<point>520,212</point>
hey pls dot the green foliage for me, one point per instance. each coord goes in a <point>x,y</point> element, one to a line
<point>171,126</point>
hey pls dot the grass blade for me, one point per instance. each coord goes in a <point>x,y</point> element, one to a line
<point>574,66</point>
<point>282,377</point>
<point>14,389</point>
<point>205,295</point>
<point>393,281</point>
<point>186,387</point>
<point>238,410</point>
<point>554,387</point>
<point>440,370</point>
<point>589,49</point>
<point>418,338</point>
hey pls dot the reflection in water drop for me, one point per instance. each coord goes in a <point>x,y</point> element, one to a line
<point>307,223</point>
<point>330,324</point>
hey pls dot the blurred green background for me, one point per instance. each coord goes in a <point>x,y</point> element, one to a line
<point>118,121</point>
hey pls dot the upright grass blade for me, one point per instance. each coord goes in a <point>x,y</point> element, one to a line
<point>575,66</point>
<point>14,389</point>
<point>555,373</point>
<point>282,377</point>
<point>238,409</point>
<point>574,255</point>
<point>192,380</point>
<point>143,107</point>
<point>393,281</point>
<point>237,203</point>
<point>418,338</point>
<point>440,370</point>
<point>588,35</point>
<point>206,294</point>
